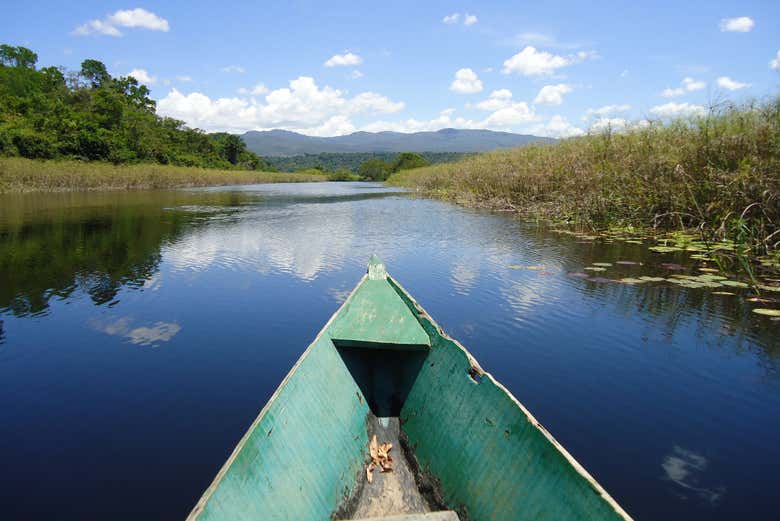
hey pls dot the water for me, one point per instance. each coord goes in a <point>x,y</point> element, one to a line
<point>141,333</point>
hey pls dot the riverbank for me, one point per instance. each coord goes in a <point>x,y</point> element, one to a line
<point>28,175</point>
<point>719,174</point>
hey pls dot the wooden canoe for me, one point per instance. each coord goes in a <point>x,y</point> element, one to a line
<point>464,448</point>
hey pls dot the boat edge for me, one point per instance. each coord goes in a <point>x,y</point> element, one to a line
<point>204,498</point>
<point>421,314</point>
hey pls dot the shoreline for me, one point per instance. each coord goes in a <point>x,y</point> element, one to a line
<point>21,175</point>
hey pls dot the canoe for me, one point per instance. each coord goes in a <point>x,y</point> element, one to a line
<point>463,447</point>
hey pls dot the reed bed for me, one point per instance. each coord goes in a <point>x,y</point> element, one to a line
<point>719,173</point>
<point>28,175</point>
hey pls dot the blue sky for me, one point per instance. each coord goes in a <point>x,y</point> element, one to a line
<point>549,68</point>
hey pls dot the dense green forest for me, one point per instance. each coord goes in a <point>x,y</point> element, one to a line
<point>51,113</point>
<point>333,162</point>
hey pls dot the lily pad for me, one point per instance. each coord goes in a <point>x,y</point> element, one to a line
<point>664,249</point>
<point>735,284</point>
<point>631,280</point>
<point>595,268</point>
<point>723,293</point>
<point>767,312</point>
<point>603,264</point>
<point>628,263</point>
<point>652,279</point>
<point>709,270</point>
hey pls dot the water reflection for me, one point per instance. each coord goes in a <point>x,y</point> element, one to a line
<point>150,335</point>
<point>686,469</point>
<point>230,284</point>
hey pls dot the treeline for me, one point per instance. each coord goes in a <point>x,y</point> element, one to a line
<point>51,113</point>
<point>333,162</point>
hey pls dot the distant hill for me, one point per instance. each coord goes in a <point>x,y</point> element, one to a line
<point>286,143</point>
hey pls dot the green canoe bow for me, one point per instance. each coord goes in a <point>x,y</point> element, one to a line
<point>473,447</point>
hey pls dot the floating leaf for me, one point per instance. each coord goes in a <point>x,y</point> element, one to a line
<point>652,279</point>
<point>709,270</point>
<point>767,288</point>
<point>735,284</point>
<point>595,268</point>
<point>767,312</point>
<point>631,280</point>
<point>761,300</point>
<point>628,263</point>
<point>723,293</point>
<point>603,264</point>
<point>664,249</point>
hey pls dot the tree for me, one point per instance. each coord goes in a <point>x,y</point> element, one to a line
<point>11,56</point>
<point>407,161</point>
<point>374,170</point>
<point>95,73</point>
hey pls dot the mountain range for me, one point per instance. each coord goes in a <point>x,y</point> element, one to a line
<point>286,143</point>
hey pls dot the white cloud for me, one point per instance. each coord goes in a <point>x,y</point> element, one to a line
<point>688,85</point>
<point>184,78</point>
<point>451,18</point>
<point>606,110</point>
<point>530,62</point>
<point>729,84</point>
<point>600,124</point>
<point>356,75</point>
<point>131,18</point>
<point>742,24</point>
<point>142,335</point>
<point>775,64</point>
<point>234,68</point>
<point>557,126</point>
<point>466,82</point>
<point>514,114</point>
<point>674,110</point>
<point>303,107</point>
<point>142,76</point>
<point>257,90</point>
<point>552,94</point>
<point>470,19</point>
<point>498,99</point>
<point>340,60</point>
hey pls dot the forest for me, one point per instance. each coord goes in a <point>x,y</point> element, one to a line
<point>89,115</point>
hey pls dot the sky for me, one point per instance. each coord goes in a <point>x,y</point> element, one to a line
<point>330,68</point>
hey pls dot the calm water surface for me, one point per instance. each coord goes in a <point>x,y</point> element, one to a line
<point>141,333</point>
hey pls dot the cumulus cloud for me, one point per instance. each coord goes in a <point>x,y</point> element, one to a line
<point>552,94</point>
<point>142,76</point>
<point>498,99</point>
<point>303,107</point>
<point>513,114</point>
<point>234,68</point>
<point>687,85</point>
<point>470,19</point>
<point>258,90</point>
<point>559,127</point>
<point>531,62</point>
<point>727,83</point>
<point>600,124</point>
<point>466,82</point>
<point>673,110</point>
<point>451,18</point>
<point>741,24</point>
<point>775,64</point>
<point>130,18</point>
<point>341,60</point>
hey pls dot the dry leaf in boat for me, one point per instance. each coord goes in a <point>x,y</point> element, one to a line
<point>369,472</point>
<point>380,457</point>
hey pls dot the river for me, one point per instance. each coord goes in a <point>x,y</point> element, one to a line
<point>141,333</point>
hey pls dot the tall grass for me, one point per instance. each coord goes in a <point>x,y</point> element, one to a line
<point>27,175</point>
<point>719,173</point>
